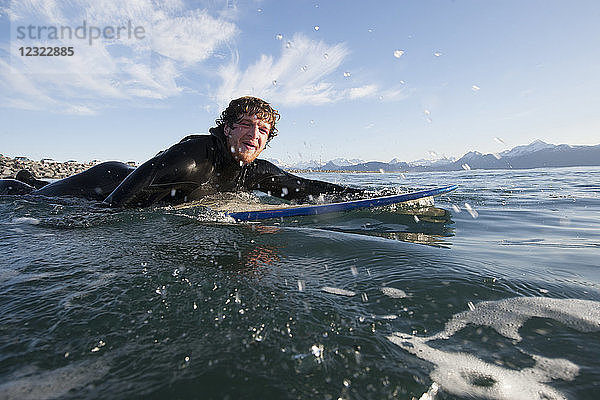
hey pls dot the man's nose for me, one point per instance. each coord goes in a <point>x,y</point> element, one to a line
<point>255,131</point>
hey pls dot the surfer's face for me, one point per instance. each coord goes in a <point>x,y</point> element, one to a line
<point>247,138</point>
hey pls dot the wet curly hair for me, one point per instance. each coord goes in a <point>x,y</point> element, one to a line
<point>251,106</point>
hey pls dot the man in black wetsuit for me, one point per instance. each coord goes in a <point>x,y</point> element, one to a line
<point>224,161</point>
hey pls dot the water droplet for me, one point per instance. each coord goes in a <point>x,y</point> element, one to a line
<point>466,167</point>
<point>187,359</point>
<point>317,27</point>
<point>437,54</point>
<point>259,10</point>
<point>326,56</point>
<point>416,218</point>
<point>279,36</point>
<point>471,211</point>
<point>354,270</point>
<point>317,350</point>
<point>288,45</point>
<point>195,306</point>
<point>427,112</point>
<point>398,53</point>
<point>471,306</point>
<point>305,68</point>
<point>381,170</point>
<point>364,297</point>
<point>475,88</point>
<point>301,286</point>
<point>347,74</point>
<point>394,293</point>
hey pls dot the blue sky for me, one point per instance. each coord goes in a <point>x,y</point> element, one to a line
<point>376,81</point>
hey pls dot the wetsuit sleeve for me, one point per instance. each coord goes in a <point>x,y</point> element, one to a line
<point>161,176</point>
<point>268,178</point>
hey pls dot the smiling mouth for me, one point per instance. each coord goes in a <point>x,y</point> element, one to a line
<point>249,146</point>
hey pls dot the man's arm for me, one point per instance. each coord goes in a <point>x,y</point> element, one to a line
<point>268,178</point>
<point>161,176</point>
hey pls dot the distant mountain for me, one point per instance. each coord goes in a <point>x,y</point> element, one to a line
<point>537,154</point>
<point>427,163</point>
<point>342,162</point>
<point>367,166</point>
<point>526,149</point>
<point>278,162</point>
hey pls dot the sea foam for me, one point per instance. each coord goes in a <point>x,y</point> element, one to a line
<point>466,375</point>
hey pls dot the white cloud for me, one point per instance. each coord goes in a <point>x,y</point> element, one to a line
<point>174,39</point>
<point>190,38</point>
<point>363,91</point>
<point>297,77</point>
<point>301,75</point>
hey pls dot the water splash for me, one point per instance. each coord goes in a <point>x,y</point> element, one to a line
<point>394,293</point>
<point>464,374</point>
<point>341,292</point>
<point>507,316</point>
<point>471,211</point>
<point>26,220</point>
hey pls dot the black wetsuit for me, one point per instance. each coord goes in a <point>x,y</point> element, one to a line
<point>195,167</point>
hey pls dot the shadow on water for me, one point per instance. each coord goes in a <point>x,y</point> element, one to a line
<point>428,225</point>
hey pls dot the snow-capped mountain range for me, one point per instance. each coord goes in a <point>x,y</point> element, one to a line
<point>537,154</point>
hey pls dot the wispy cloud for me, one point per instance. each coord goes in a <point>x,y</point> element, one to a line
<point>174,39</point>
<point>298,76</point>
<point>363,91</point>
<point>178,40</point>
<point>303,74</point>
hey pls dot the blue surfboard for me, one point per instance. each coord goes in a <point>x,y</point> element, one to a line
<point>296,211</point>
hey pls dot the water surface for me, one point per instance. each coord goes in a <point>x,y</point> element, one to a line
<point>501,290</point>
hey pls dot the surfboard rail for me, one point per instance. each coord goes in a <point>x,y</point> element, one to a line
<point>305,210</point>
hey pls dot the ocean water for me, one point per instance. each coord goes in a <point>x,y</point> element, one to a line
<point>492,294</point>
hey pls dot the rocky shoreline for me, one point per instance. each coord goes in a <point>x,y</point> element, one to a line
<point>45,168</point>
